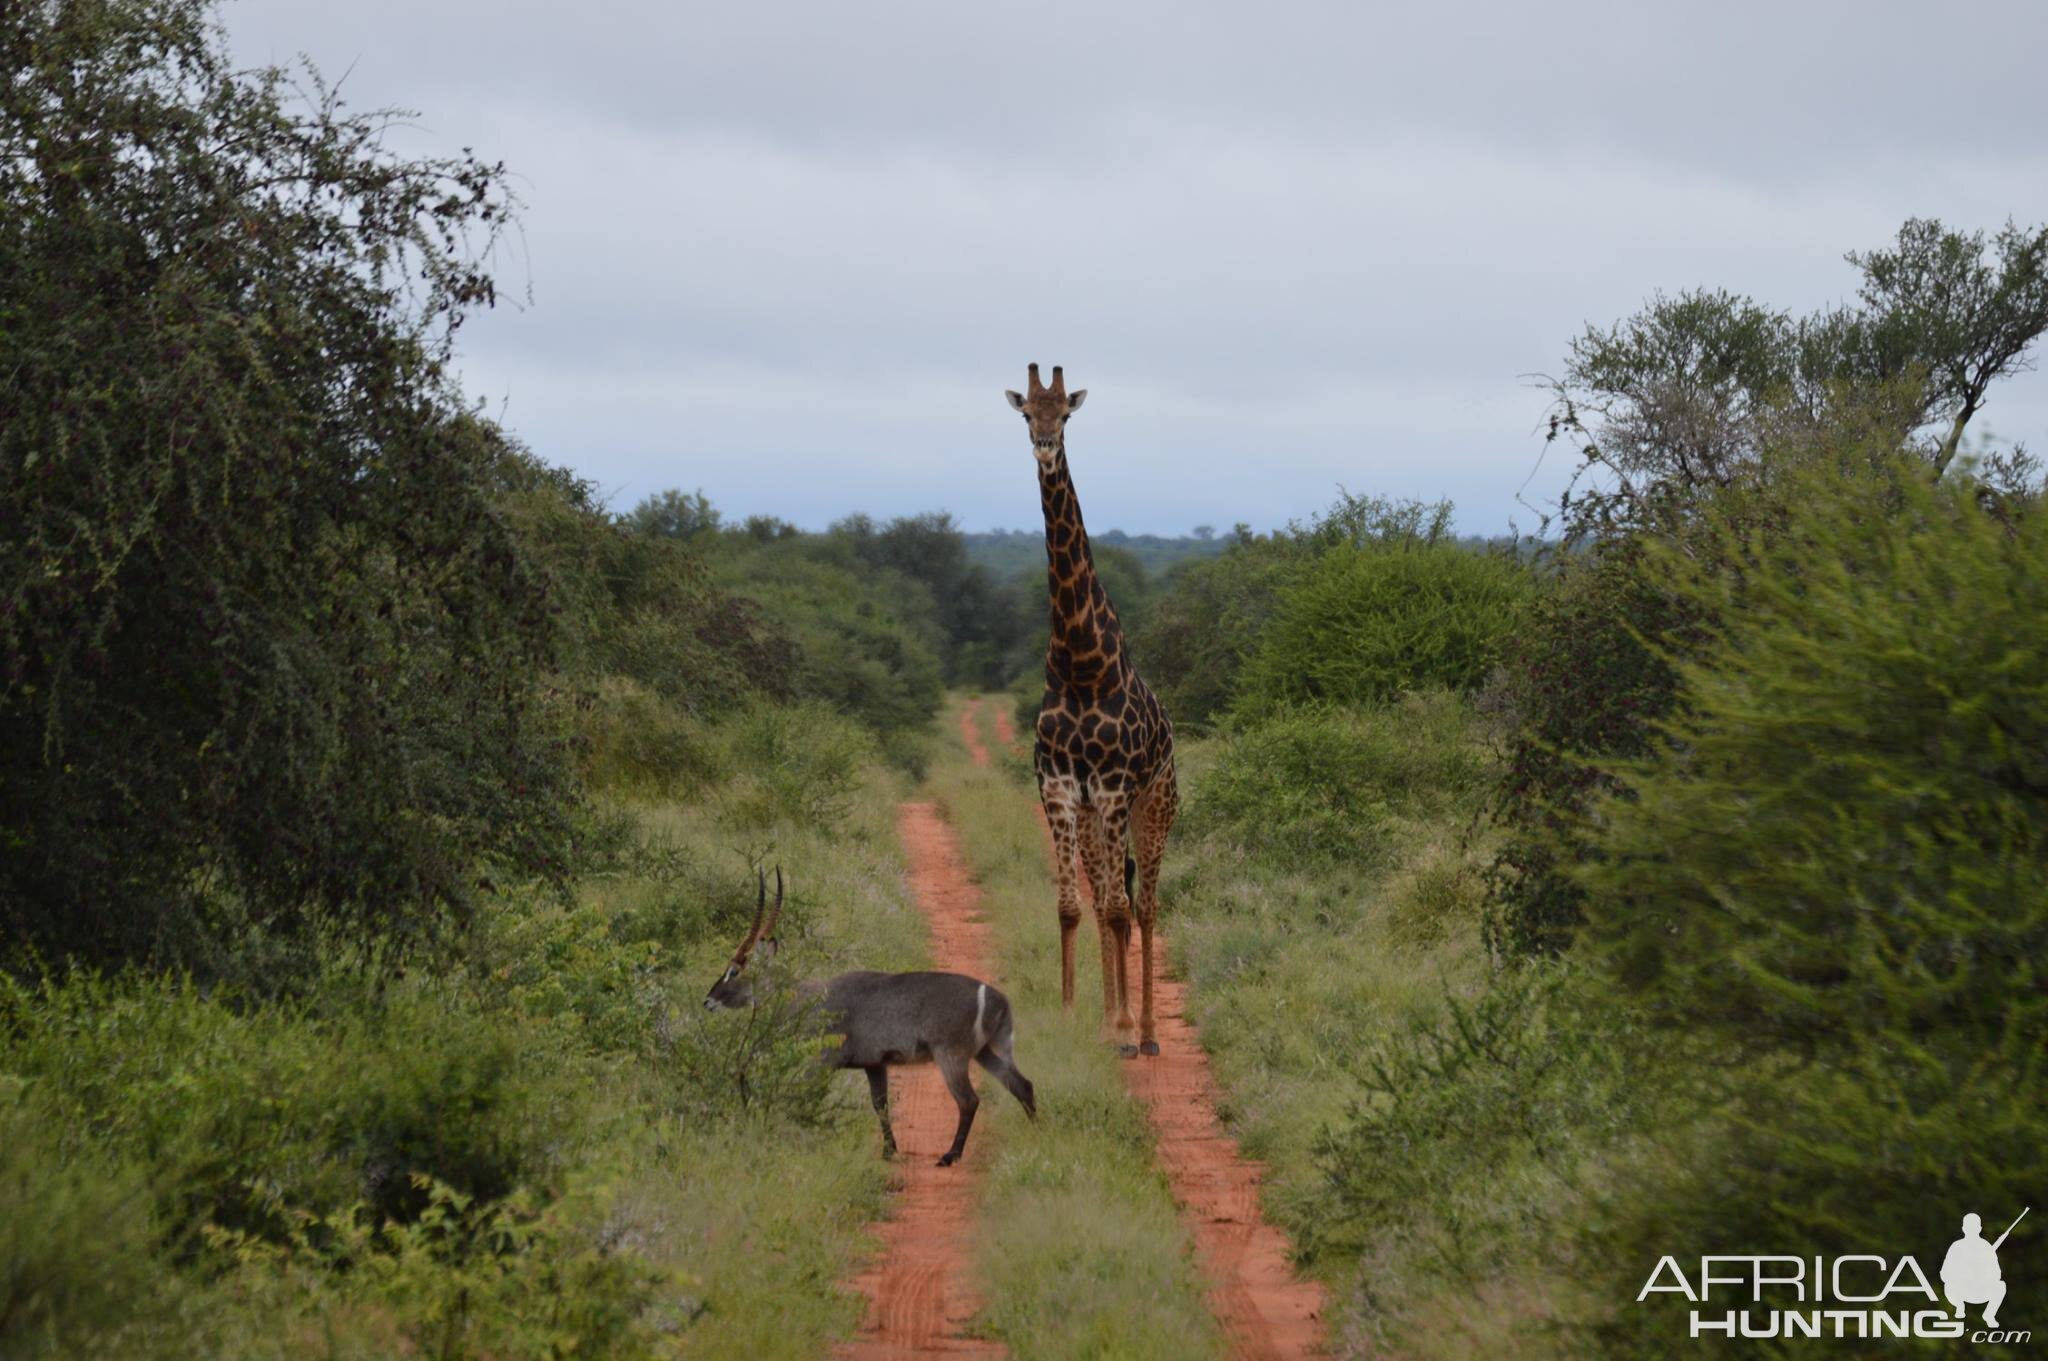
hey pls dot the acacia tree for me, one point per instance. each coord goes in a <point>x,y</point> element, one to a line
<point>266,647</point>
<point>1710,398</point>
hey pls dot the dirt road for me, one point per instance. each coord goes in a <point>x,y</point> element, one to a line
<point>1264,1308</point>
<point>919,1295</point>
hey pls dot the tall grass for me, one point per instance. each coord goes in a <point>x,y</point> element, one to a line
<point>1324,895</point>
<point>533,1149</point>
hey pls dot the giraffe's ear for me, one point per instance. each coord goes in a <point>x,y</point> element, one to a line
<point>1074,401</point>
<point>1016,399</point>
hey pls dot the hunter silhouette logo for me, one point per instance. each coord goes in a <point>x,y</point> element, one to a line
<point>1857,1295</point>
<point>1969,1274</point>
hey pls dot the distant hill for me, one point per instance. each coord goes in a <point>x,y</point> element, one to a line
<point>1008,553</point>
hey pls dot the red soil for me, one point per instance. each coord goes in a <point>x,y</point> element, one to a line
<point>1265,1310</point>
<point>1006,731</point>
<point>919,1295</point>
<point>970,732</point>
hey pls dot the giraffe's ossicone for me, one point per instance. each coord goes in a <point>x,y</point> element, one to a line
<point>1104,746</point>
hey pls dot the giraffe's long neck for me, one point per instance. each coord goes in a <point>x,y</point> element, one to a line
<point>1086,647</point>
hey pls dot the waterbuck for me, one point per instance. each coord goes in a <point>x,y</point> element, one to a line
<point>890,1019</point>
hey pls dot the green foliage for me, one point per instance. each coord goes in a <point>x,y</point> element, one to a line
<point>259,622</point>
<point>929,549</point>
<point>1711,400</point>
<point>1587,678</point>
<point>1513,1077</point>
<point>1008,554</point>
<point>1211,618</point>
<point>758,1063</point>
<point>796,763</point>
<point>467,1278</point>
<point>864,638</point>
<point>242,1115</point>
<point>1360,625</point>
<point>1833,866</point>
<point>1845,831</point>
<point>674,514</point>
<point>75,1238</point>
<point>638,744</point>
<point>1331,785</point>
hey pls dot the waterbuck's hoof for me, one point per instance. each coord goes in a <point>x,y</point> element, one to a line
<point>1129,1051</point>
<point>1149,1048</point>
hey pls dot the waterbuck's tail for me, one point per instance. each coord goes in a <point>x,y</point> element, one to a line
<point>1000,1027</point>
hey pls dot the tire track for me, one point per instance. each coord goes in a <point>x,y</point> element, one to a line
<point>1266,1311</point>
<point>1006,730</point>
<point>970,732</point>
<point>919,1295</point>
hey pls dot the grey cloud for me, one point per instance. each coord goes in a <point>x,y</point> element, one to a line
<point>793,252</point>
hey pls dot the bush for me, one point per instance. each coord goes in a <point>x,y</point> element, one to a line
<point>1843,832</point>
<point>1363,625</point>
<point>1587,678</point>
<point>1200,632</point>
<point>76,1238</point>
<point>1321,785</point>
<point>1835,867</point>
<point>467,1278</point>
<point>866,640</point>
<point>239,1117</point>
<point>802,764</point>
<point>757,1063</point>
<point>1515,1080</point>
<point>260,622</point>
<point>637,743</point>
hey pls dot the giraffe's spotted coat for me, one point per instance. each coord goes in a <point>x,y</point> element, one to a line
<point>1104,746</point>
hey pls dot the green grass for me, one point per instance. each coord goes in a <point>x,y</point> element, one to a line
<point>1308,958</point>
<point>186,1173</point>
<point>1080,1249</point>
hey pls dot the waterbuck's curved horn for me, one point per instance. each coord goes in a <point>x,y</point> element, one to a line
<point>768,931</point>
<point>739,956</point>
<point>1036,386</point>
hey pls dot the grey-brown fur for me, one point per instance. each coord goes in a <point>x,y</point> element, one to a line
<point>887,1020</point>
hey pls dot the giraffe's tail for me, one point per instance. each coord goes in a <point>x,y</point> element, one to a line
<point>1130,878</point>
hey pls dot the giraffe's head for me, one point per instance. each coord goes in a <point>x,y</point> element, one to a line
<point>1046,410</point>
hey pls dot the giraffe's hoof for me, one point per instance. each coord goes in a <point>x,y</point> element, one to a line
<point>1149,1048</point>
<point>1129,1051</point>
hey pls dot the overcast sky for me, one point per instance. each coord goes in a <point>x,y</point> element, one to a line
<point>792,251</point>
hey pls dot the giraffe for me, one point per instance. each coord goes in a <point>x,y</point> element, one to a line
<point>1104,749</point>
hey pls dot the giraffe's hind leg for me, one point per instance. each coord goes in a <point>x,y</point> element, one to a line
<point>1152,814</point>
<point>1102,847</point>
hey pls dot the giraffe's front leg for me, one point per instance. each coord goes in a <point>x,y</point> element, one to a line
<point>1060,817</point>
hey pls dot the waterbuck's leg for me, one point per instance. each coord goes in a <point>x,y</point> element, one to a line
<point>1152,816</point>
<point>953,1067</point>
<point>1061,807</point>
<point>878,1089</point>
<point>1004,1070</point>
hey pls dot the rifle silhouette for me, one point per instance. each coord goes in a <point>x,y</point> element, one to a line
<point>2009,1228</point>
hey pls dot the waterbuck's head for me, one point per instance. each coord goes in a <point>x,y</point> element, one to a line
<point>1045,410</point>
<point>733,990</point>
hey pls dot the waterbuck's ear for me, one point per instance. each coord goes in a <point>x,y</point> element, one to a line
<point>1016,399</point>
<point>1074,401</point>
<point>764,953</point>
